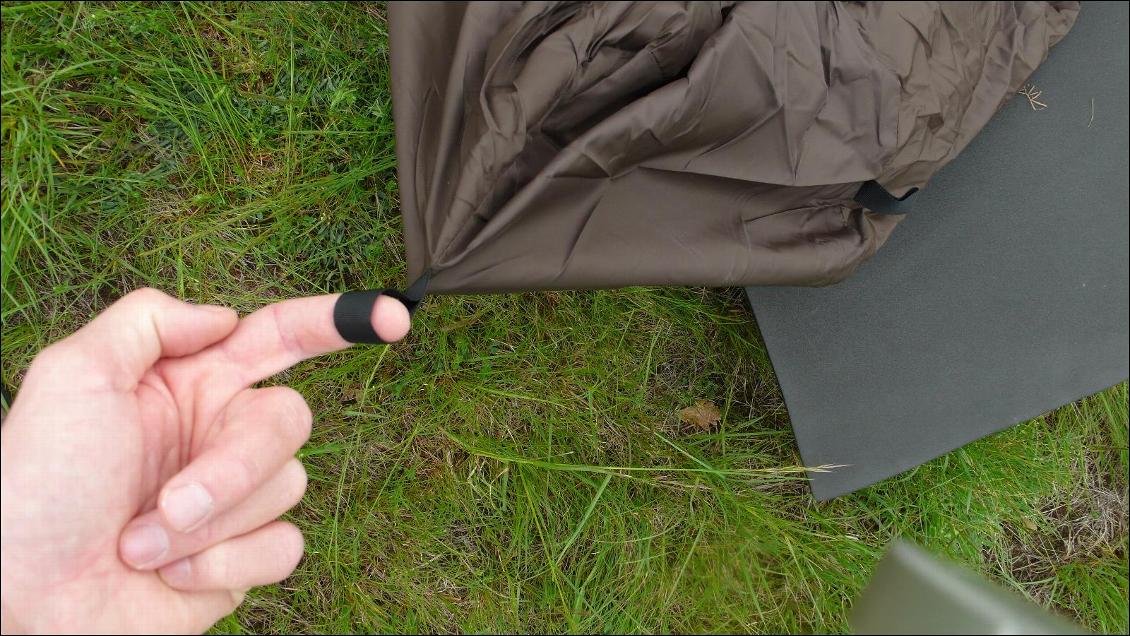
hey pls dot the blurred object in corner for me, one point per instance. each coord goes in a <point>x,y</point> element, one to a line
<point>914,592</point>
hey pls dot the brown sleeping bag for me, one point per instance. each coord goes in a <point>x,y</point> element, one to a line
<point>585,145</point>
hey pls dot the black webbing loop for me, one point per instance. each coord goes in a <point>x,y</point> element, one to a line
<point>875,197</point>
<point>353,310</point>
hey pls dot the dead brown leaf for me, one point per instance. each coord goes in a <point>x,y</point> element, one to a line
<point>703,415</point>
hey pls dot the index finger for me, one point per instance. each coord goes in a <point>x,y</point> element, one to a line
<point>279,336</point>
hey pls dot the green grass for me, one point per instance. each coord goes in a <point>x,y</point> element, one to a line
<point>517,464</point>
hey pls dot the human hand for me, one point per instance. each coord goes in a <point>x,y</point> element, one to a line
<point>142,478</point>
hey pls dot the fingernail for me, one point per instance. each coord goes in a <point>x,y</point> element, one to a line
<point>144,544</point>
<point>187,506</point>
<point>177,573</point>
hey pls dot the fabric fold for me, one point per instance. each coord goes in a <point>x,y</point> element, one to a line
<point>549,145</point>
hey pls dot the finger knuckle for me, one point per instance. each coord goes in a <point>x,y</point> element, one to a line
<point>204,536</point>
<point>296,480</point>
<point>225,569</point>
<point>246,473</point>
<point>199,569</point>
<point>294,413</point>
<point>291,547</point>
<point>291,339</point>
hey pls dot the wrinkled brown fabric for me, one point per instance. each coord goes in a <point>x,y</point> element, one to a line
<point>553,145</point>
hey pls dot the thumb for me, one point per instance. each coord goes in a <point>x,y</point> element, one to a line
<point>125,340</point>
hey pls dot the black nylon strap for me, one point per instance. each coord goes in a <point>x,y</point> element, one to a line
<point>875,197</point>
<point>353,316</point>
<point>353,310</point>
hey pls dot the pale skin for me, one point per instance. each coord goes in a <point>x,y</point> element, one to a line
<point>142,477</point>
